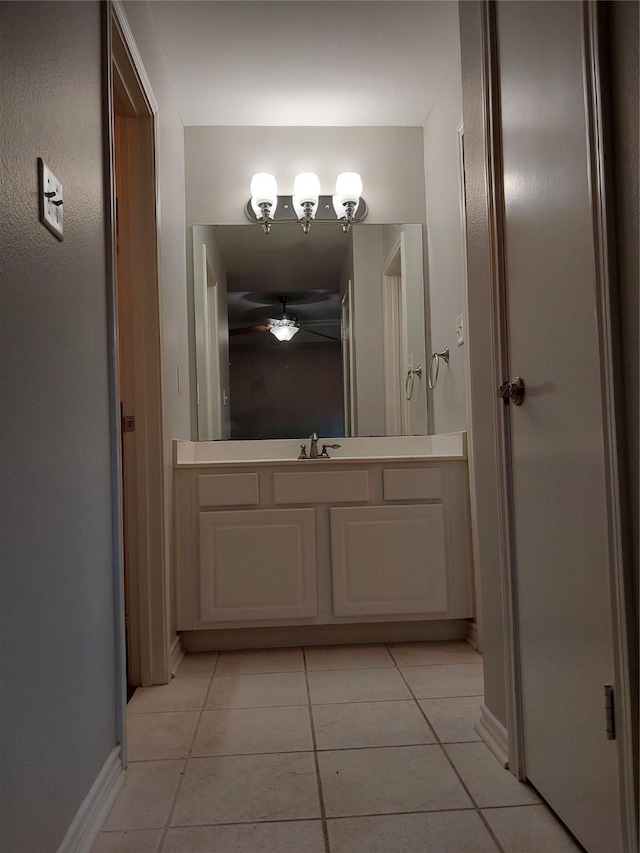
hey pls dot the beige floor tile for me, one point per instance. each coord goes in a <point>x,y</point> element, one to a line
<point>254,730</point>
<point>298,836</point>
<point>180,694</point>
<point>197,663</point>
<point>393,779</point>
<point>437,832</point>
<point>438,681</point>
<point>530,829</point>
<point>347,657</point>
<point>257,690</point>
<point>488,782</point>
<point>146,797</point>
<point>363,724</point>
<point>453,719</point>
<point>156,736</point>
<point>423,654</point>
<point>247,788</point>
<point>356,685</point>
<point>260,660</point>
<point>133,841</point>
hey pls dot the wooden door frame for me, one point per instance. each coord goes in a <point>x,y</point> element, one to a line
<point>149,616</point>
<point>620,581</point>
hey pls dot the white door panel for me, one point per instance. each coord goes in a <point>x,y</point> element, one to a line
<point>558,451</point>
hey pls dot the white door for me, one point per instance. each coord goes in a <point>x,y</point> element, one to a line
<point>557,438</point>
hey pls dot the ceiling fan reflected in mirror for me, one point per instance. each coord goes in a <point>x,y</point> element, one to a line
<point>283,326</point>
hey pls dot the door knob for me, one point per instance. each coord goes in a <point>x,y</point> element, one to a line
<point>513,391</point>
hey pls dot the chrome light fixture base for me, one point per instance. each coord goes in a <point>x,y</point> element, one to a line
<point>266,219</point>
<point>325,212</point>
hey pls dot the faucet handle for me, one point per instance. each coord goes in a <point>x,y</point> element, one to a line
<point>303,452</point>
<point>324,449</point>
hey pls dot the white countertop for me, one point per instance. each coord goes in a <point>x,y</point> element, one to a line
<point>449,446</point>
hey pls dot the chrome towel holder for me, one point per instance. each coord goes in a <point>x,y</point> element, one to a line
<point>410,380</point>
<point>436,357</point>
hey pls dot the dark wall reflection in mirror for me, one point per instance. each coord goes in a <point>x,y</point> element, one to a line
<point>296,333</point>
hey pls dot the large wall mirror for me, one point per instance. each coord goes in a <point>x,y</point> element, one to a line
<point>355,366</point>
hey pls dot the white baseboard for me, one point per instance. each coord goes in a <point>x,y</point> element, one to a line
<point>472,634</point>
<point>176,654</point>
<point>494,734</point>
<point>95,808</point>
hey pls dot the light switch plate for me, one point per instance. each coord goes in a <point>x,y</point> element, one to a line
<point>460,330</point>
<point>50,195</point>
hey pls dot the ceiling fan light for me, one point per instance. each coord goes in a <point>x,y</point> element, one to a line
<point>284,330</point>
<point>264,190</point>
<point>348,189</point>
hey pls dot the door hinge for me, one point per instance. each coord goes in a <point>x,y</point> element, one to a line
<point>610,714</point>
<point>128,423</point>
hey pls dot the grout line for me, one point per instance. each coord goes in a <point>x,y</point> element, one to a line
<point>319,750</point>
<point>453,767</point>
<point>167,823</point>
<point>323,814</point>
<point>312,819</point>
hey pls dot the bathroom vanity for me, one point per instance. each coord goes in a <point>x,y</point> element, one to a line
<point>378,533</point>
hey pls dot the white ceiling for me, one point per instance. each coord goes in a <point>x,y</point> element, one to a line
<point>306,62</point>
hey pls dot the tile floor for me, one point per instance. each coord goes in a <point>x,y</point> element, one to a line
<point>344,749</point>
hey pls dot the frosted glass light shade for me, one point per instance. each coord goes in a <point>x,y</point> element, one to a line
<point>264,189</point>
<point>348,188</point>
<point>306,188</point>
<point>284,331</point>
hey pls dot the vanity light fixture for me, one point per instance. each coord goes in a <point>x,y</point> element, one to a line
<point>264,198</point>
<point>347,197</point>
<point>306,204</point>
<point>306,192</point>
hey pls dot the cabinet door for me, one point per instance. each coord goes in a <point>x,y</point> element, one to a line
<point>257,565</point>
<point>388,560</point>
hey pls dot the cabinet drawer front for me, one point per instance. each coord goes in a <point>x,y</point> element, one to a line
<point>257,564</point>
<point>228,490</point>
<point>388,560</point>
<point>412,484</point>
<point>315,487</point>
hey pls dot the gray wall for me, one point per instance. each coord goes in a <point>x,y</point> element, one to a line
<point>445,240</point>
<point>58,689</point>
<point>221,160</point>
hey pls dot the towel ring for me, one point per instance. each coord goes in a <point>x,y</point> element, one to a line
<point>409,382</point>
<point>436,357</point>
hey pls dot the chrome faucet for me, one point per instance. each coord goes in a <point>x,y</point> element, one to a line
<point>313,449</point>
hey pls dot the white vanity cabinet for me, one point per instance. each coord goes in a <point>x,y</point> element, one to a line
<point>268,544</point>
